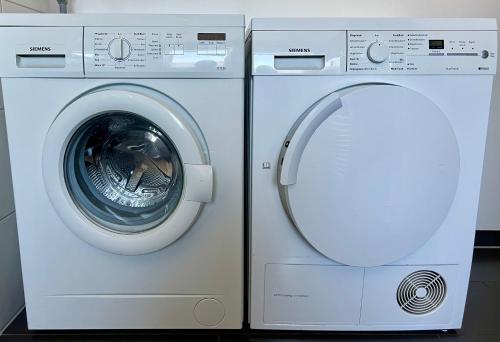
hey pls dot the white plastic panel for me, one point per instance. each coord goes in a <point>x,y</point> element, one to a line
<point>164,52</point>
<point>29,52</point>
<point>312,294</point>
<point>380,306</point>
<point>123,311</point>
<point>423,52</point>
<point>6,196</point>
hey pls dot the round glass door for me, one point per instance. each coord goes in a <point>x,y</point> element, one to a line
<point>123,172</point>
<point>127,169</point>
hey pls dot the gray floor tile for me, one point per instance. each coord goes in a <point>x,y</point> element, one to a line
<point>486,265</point>
<point>482,312</point>
<point>318,337</point>
<point>471,338</point>
<point>98,338</point>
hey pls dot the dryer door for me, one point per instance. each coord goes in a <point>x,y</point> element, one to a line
<point>126,169</point>
<point>369,173</point>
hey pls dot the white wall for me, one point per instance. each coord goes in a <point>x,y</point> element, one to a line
<point>332,8</point>
<point>489,213</point>
<point>29,6</point>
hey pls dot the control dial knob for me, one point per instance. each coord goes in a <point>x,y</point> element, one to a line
<point>119,49</point>
<point>378,52</point>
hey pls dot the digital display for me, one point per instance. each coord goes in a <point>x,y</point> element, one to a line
<point>436,44</point>
<point>211,36</point>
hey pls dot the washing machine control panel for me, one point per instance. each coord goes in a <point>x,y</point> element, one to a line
<point>421,52</point>
<point>163,51</point>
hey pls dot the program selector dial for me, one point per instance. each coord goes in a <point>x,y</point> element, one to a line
<point>378,52</point>
<point>119,49</point>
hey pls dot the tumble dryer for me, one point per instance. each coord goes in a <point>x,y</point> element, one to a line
<point>126,139</point>
<point>366,149</point>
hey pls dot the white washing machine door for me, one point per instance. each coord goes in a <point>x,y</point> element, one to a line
<point>127,169</point>
<point>369,173</point>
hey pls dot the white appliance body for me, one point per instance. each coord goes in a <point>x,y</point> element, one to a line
<point>127,156</point>
<point>366,149</point>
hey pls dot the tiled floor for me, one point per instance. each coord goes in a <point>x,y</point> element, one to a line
<point>481,323</point>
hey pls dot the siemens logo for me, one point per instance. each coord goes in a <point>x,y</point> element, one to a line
<point>39,48</point>
<point>299,50</point>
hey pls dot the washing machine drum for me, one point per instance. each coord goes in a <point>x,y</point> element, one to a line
<point>122,169</point>
<point>369,173</point>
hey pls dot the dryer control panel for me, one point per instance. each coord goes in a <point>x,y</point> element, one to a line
<point>163,51</point>
<point>367,52</point>
<point>421,52</point>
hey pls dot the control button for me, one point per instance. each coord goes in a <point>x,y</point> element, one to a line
<point>485,54</point>
<point>221,49</point>
<point>179,49</point>
<point>211,49</point>
<point>202,49</point>
<point>169,49</point>
<point>119,49</point>
<point>378,52</point>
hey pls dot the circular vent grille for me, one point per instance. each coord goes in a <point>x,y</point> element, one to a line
<point>421,292</point>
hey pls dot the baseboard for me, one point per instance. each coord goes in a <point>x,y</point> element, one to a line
<point>2,329</point>
<point>487,239</point>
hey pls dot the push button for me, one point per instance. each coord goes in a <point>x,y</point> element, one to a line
<point>179,49</point>
<point>202,49</point>
<point>211,49</point>
<point>169,49</point>
<point>221,49</point>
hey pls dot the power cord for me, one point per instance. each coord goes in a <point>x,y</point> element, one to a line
<point>63,6</point>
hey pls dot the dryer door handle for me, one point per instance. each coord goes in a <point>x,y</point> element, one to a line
<point>301,133</point>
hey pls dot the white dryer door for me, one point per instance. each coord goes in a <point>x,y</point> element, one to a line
<point>126,169</point>
<point>369,173</point>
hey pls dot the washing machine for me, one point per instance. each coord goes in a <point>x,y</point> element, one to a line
<point>126,139</point>
<point>366,144</point>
